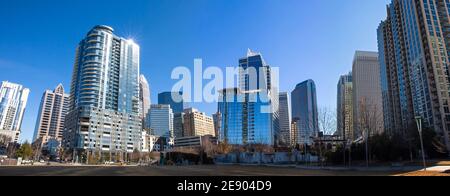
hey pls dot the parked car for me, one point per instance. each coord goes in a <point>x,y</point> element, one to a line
<point>27,162</point>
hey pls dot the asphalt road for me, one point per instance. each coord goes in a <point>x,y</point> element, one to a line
<point>204,170</point>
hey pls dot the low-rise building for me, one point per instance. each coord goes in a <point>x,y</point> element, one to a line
<point>195,141</point>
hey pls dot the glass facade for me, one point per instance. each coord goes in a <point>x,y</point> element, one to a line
<point>160,120</point>
<point>285,119</point>
<point>242,121</point>
<point>174,99</point>
<point>304,111</point>
<point>105,100</point>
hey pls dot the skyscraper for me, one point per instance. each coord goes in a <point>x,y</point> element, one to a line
<point>174,99</point>
<point>345,107</point>
<point>285,119</point>
<point>234,125</point>
<point>144,96</point>
<point>160,120</point>
<point>304,111</point>
<point>52,113</point>
<point>13,100</point>
<point>367,101</point>
<point>178,124</point>
<point>249,114</point>
<point>104,109</point>
<point>395,81</point>
<point>414,52</point>
<point>197,123</point>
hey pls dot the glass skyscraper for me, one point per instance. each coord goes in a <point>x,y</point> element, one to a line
<point>174,99</point>
<point>285,119</point>
<point>243,121</point>
<point>13,100</point>
<point>304,111</point>
<point>414,54</point>
<point>249,114</point>
<point>105,110</point>
<point>160,120</point>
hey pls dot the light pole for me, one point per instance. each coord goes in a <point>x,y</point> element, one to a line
<point>419,127</point>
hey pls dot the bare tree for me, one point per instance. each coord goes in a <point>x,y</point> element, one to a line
<point>370,122</point>
<point>4,140</point>
<point>327,120</point>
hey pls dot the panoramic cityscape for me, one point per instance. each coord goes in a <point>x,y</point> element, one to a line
<point>102,106</point>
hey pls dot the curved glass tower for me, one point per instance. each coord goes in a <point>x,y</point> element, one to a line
<point>105,103</point>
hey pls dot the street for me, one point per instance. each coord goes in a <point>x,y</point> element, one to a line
<point>203,170</point>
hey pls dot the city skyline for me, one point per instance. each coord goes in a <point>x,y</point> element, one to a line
<point>157,64</point>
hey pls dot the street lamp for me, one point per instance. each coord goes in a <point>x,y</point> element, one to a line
<point>419,127</point>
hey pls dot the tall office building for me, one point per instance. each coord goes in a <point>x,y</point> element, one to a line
<point>176,102</point>
<point>345,107</point>
<point>197,123</point>
<point>249,114</point>
<point>367,101</point>
<point>243,121</point>
<point>414,43</point>
<point>304,111</point>
<point>144,96</point>
<point>257,82</point>
<point>51,115</point>
<point>285,119</point>
<point>160,120</point>
<point>178,124</point>
<point>234,125</point>
<point>13,100</point>
<point>174,99</point>
<point>104,109</point>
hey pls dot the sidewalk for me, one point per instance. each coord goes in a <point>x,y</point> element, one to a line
<point>336,168</point>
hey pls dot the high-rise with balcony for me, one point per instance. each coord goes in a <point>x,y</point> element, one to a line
<point>414,43</point>
<point>13,100</point>
<point>304,111</point>
<point>367,101</point>
<point>345,107</point>
<point>51,115</point>
<point>105,112</point>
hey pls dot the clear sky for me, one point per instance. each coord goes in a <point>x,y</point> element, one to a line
<point>307,39</point>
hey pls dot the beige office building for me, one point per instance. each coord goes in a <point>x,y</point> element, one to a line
<point>197,123</point>
<point>52,112</point>
<point>367,99</point>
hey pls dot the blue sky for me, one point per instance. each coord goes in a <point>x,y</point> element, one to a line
<point>306,39</point>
